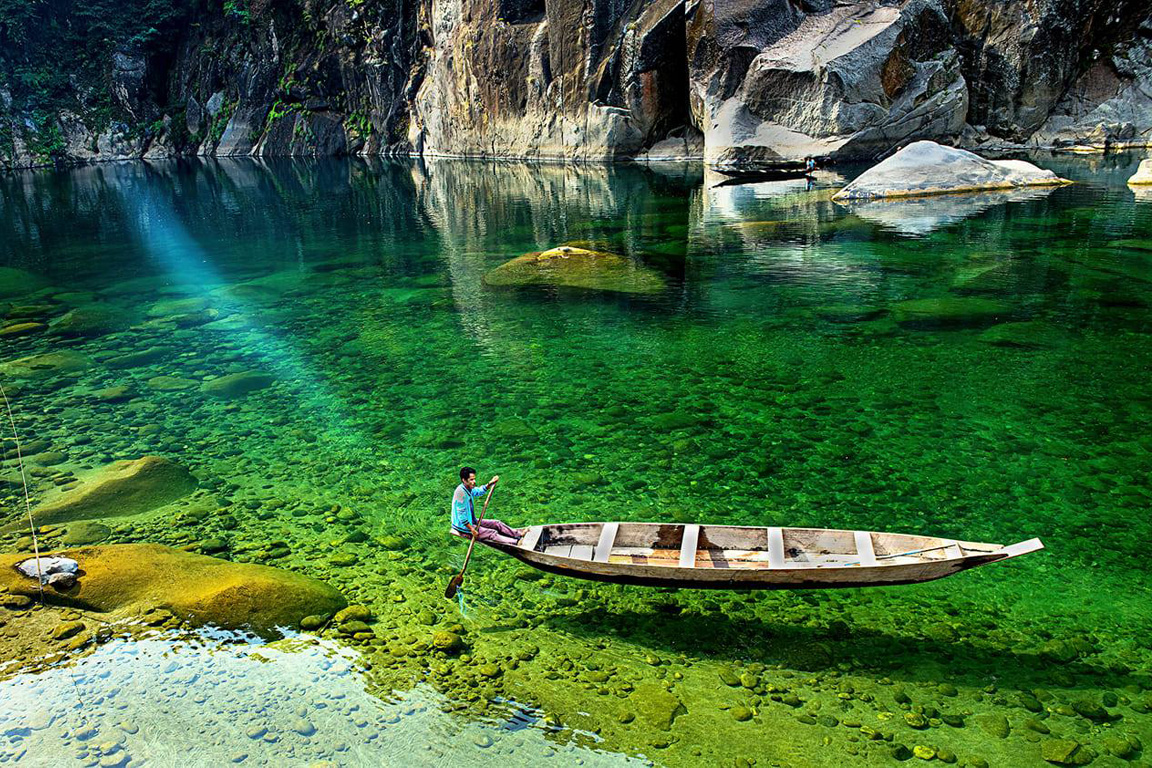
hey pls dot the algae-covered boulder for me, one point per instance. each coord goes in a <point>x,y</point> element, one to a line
<point>1032,334</point>
<point>235,385</point>
<point>17,282</point>
<point>118,489</point>
<point>573,267</point>
<point>170,307</point>
<point>949,311</point>
<point>91,320</point>
<point>45,365</point>
<point>657,706</point>
<point>126,580</point>
<point>1066,752</point>
<point>928,168</point>
<point>1143,173</point>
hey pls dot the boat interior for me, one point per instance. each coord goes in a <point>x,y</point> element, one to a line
<point>723,546</point>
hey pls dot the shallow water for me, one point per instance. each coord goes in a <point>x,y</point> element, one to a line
<point>779,378</point>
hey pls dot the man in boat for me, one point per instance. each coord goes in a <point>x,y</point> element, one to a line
<point>464,512</point>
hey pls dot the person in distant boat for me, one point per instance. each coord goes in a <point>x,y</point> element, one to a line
<point>809,164</point>
<point>464,512</point>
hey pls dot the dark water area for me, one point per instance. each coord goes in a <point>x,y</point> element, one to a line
<point>966,366</point>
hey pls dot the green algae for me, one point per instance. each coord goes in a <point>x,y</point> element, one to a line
<point>775,380</point>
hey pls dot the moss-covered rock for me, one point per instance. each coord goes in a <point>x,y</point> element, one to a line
<point>185,306</point>
<point>91,320</point>
<point>448,642</point>
<point>129,580</point>
<point>48,364</point>
<point>1066,752</point>
<point>656,706</point>
<point>572,267</point>
<point>21,329</point>
<point>994,724</point>
<point>1026,335</point>
<point>118,489</point>
<point>85,532</point>
<point>236,385</point>
<point>948,312</point>
<point>353,613</point>
<point>17,282</point>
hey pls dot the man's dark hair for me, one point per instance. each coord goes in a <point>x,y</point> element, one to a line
<point>465,471</point>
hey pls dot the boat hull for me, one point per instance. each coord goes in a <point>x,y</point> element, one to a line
<point>806,578</point>
<point>690,556</point>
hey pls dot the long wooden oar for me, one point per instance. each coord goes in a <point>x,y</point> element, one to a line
<point>458,579</point>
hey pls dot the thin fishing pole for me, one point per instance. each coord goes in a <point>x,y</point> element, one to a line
<point>27,500</point>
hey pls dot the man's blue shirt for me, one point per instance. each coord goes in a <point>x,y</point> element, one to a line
<point>463,513</point>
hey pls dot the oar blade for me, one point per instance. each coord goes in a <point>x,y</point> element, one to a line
<point>453,585</point>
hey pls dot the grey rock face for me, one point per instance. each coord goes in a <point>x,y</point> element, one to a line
<point>1020,58</point>
<point>589,79</point>
<point>856,78</point>
<point>734,81</point>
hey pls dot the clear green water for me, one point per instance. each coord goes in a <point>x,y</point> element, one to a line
<point>778,379</point>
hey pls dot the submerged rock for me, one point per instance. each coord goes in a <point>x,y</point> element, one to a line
<point>136,359</point>
<point>21,329</point>
<point>48,364</point>
<point>17,282</point>
<point>170,383</point>
<point>657,706</point>
<point>91,320</point>
<point>928,168</point>
<point>235,385</point>
<point>85,532</point>
<point>1026,335</point>
<point>178,306</point>
<point>571,267</point>
<point>118,489</point>
<point>1066,752</point>
<point>949,311</point>
<point>131,579</point>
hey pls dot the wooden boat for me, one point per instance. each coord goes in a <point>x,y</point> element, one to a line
<point>746,557</point>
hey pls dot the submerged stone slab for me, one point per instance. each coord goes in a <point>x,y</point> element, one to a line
<point>119,489</point>
<point>48,364</point>
<point>574,267</point>
<point>928,168</point>
<point>235,385</point>
<point>91,320</point>
<point>131,579</point>
<point>17,282</point>
<point>1031,334</point>
<point>949,311</point>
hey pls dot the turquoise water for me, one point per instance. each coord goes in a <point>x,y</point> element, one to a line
<point>973,367</point>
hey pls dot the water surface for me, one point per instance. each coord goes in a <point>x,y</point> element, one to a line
<point>781,377</point>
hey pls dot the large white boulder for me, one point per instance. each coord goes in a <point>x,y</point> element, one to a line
<point>1143,174</point>
<point>928,168</point>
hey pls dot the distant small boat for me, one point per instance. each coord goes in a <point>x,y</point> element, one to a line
<point>758,176</point>
<point>747,557</point>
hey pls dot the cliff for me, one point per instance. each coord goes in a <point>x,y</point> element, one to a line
<point>731,81</point>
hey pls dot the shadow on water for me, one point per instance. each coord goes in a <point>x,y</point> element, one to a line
<point>716,636</point>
